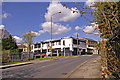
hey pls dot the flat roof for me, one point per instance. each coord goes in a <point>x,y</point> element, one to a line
<point>56,40</point>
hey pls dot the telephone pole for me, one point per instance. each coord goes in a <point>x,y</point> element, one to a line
<point>77,43</point>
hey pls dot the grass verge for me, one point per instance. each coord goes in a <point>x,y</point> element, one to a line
<point>42,58</point>
<point>53,57</point>
<point>13,62</point>
<point>65,56</point>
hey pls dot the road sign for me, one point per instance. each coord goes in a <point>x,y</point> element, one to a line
<point>50,47</point>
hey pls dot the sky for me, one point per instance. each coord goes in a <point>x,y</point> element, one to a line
<point>20,17</point>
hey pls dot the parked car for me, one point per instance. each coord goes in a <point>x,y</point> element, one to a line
<point>36,54</point>
<point>43,54</point>
<point>83,53</point>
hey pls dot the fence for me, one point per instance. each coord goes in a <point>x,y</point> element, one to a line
<point>13,57</point>
<point>113,57</point>
<point>110,57</point>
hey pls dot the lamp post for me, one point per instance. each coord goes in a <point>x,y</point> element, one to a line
<point>77,43</point>
<point>51,31</point>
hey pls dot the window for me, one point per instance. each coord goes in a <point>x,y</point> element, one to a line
<point>90,45</point>
<point>74,41</point>
<point>59,43</point>
<point>38,45</point>
<point>63,42</point>
<point>42,45</point>
<point>52,44</point>
<point>35,46</point>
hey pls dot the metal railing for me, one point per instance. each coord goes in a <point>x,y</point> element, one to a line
<point>14,57</point>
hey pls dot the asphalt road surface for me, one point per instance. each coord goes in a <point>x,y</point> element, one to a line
<point>56,68</point>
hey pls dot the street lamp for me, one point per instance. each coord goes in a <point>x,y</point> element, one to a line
<point>51,31</point>
<point>77,43</point>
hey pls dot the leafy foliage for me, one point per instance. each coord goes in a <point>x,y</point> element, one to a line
<point>107,16</point>
<point>113,57</point>
<point>28,39</point>
<point>4,34</point>
<point>9,44</point>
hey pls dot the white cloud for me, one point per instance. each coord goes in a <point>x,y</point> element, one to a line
<point>17,39</point>
<point>35,33</point>
<point>76,34</point>
<point>42,31</point>
<point>2,26</point>
<point>77,28</point>
<point>90,2</point>
<point>56,28</point>
<point>65,15</point>
<point>5,15</point>
<point>92,29</point>
<point>38,33</point>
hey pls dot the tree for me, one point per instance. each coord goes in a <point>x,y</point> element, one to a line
<point>3,33</point>
<point>9,44</point>
<point>107,16</point>
<point>28,39</point>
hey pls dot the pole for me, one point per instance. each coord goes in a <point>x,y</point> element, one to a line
<point>77,43</point>
<point>51,35</point>
<point>51,31</point>
<point>57,53</point>
<point>28,53</point>
<point>64,51</point>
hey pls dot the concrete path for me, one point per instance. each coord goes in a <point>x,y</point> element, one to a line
<point>89,69</point>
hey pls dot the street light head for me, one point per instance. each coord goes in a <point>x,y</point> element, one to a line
<point>59,12</point>
<point>55,13</point>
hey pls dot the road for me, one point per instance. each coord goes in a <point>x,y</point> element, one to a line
<point>56,68</point>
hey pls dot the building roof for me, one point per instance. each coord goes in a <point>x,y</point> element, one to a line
<point>56,40</point>
<point>21,46</point>
<point>89,39</point>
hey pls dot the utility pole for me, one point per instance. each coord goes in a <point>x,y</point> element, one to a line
<point>77,43</point>
<point>51,32</point>
<point>51,37</point>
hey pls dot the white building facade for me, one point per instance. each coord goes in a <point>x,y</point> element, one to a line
<point>64,46</point>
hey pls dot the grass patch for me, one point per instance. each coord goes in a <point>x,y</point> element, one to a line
<point>54,57</point>
<point>66,56</point>
<point>42,58</point>
<point>13,62</point>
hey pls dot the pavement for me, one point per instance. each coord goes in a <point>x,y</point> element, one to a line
<point>88,69</point>
<point>56,68</point>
